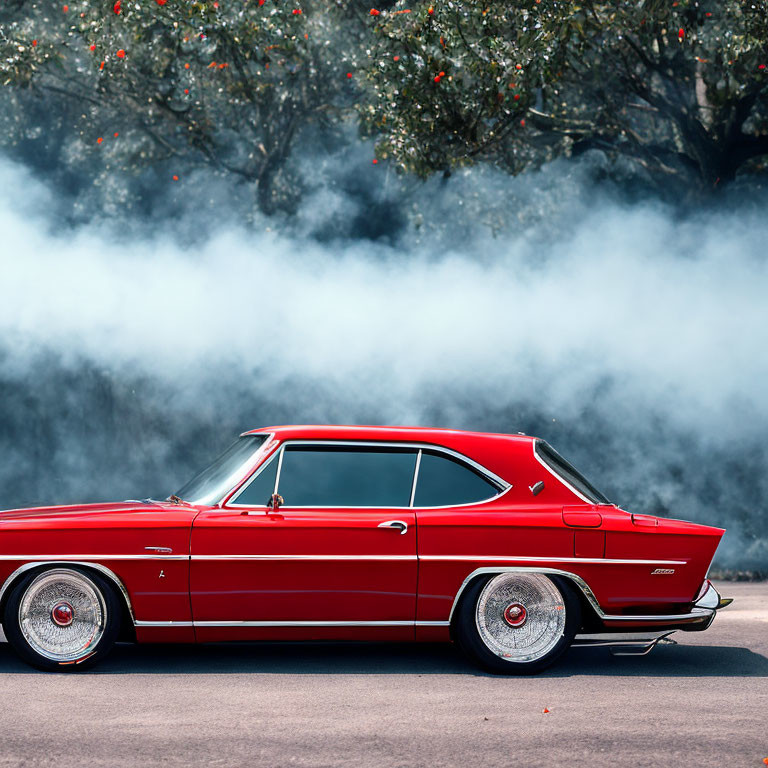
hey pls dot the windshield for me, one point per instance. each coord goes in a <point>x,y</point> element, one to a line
<point>214,481</point>
<point>568,473</point>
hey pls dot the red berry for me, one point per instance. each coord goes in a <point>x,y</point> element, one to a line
<point>65,8</point>
<point>116,6</point>
<point>92,47</point>
<point>297,11</point>
<point>761,66</point>
<point>116,134</point>
<point>161,2</point>
<point>437,78</point>
<point>34,43</point>
<point>518,66</point>
<point>349,75</point>
<point>374,12</point>
<point>430,10</point>
<point>442,74</point>
<point>99,140</point>
<point>680,33</point>
<point>121,54</point>
<point>395,58</point>
<point>375,161</point>
<point>522,122</point>
<point>175,177</point>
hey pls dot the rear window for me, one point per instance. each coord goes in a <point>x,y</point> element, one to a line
<point>568,473</point>
<point>444,481</point>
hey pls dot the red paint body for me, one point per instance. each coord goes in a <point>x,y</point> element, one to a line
<point>336,565</point>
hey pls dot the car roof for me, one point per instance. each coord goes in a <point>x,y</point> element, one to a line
<point>437,435</point>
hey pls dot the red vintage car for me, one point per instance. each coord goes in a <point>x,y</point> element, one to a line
<point>358,533</point>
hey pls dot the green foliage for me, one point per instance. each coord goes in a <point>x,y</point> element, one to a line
<point>231,83</point>
<point>679,87</point>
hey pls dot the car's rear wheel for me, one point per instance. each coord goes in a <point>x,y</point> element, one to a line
<point>517,623</point>
<point>62,618</point>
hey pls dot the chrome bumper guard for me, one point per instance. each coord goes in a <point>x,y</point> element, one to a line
<point>708,602</point>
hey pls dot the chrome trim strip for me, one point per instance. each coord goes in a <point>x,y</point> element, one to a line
<point>96,566</point>
<point>560,479</point>
<point>415,477</point>
<point>695,614</point>
<point>503,485</point>
<point>304,557</point>
<point>66,558</point>
<point>170,624</point>
<point>164,623</point>
<point>303,623</point>
<point>525,558</point>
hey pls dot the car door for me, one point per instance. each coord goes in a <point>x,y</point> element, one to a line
<point>339,552</point>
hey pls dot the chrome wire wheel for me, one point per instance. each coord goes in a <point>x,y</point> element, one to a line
<point>520,617</point>
<point>62,615</point>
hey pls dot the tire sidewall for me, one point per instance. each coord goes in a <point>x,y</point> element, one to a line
<point>19,643</point>
<point>468,638</point>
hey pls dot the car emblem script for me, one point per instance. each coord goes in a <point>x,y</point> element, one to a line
<point>662,571</point>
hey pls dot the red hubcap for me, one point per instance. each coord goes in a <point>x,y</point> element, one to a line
<point>515,615</point>
<point>62,614</point>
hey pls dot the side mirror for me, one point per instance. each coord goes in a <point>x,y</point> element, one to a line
<point>275,502</point>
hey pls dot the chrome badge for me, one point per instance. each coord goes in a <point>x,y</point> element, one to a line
<point>662,571</point>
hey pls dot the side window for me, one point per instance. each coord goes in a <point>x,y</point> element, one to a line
<point>445,481</point>
<point>261,488</point>
<point>324,476</point>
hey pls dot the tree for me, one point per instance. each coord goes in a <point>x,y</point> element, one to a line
<point>227,83</point>
<point>679,87</point>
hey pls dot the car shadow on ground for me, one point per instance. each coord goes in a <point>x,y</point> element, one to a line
<point>398,659</point>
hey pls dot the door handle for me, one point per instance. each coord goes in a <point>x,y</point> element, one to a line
<point>398,525</point>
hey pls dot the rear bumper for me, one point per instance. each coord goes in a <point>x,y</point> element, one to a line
<point>701,615</point>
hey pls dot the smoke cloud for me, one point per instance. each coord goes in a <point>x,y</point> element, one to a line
<point>632,337</point>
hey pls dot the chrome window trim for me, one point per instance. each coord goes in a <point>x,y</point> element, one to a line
<point>415,478</point>
<point>111,575</point>
<point>563,481</point>
<point>503,485</point>
<point>696,613</point>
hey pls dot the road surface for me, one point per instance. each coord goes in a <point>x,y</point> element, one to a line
<point>701,703</point>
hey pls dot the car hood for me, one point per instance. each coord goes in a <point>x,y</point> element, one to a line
<point>88,510</point>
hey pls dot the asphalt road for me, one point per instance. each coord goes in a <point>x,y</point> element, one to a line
<point>701,703</point>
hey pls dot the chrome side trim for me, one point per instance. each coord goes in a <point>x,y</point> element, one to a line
<point>170,624</point>
<point>164,623</point>
<point>303,623</point>
<point>66,558</point>
<point>526,558</point>
<point>696,613</point>
<point>304,557</point>
<point>111,575</point>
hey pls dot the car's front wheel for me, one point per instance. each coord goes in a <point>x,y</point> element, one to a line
<point>61,618</point>
<point>517,623</point>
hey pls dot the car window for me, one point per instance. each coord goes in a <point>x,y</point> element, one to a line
<point>445,481</point>
<point>327,476</point>
<point>258,493</point>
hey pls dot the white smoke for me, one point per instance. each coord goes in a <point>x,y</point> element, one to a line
<point>672,313</point>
